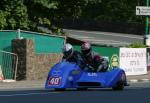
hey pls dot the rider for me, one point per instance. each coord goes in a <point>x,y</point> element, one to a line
<point>94,61</point>
<point>70,55</point>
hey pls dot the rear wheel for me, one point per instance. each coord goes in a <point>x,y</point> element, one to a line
<point>119,86</point>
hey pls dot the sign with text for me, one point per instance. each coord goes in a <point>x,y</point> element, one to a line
<point>133,60</point>
<point>148,58</point>
<point>142,10</point>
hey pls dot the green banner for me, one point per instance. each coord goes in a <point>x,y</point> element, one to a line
<point>111,53</point>
<point>44,43</point>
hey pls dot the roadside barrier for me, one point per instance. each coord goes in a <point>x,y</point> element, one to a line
<point>8,65</point>
<point>1,74</point>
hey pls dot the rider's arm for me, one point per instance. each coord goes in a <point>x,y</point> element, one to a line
<point>63,59</point>
<point>80,61</point>
<point>103,65</point>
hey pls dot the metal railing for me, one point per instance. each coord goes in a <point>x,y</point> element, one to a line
<point>8,62</point>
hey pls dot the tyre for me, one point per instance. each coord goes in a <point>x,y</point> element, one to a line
<point>119,86</point>
<point>120,83</point>
<point>82,89</point>
<point>60,89</point>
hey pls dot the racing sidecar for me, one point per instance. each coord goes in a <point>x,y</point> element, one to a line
<point>69,75</point>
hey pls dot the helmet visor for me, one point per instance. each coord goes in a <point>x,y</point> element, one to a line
<point>67,53</point>
<point>85,52</point>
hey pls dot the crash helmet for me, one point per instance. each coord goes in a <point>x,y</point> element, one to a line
<point>67,50</point>
<point>86,48</point>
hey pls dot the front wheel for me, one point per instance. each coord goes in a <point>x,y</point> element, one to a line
<point>60,89</point>
<point>82,89</point>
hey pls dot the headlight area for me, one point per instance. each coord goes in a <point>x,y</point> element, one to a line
<point>75,72</point>
<point>70,78</point>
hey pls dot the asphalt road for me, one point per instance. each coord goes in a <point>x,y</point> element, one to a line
<point>135,93</point>
<point>105,38</point>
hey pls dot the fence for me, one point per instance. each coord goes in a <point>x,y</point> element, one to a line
<point>43,44</point>
<point>8,63</point>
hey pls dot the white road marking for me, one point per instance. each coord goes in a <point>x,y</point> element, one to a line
<point>95,40</point>
<point>104,40</point>
<point>134,80</point>
<point>81,37</point>
<point>100,41</point>
<point>145,79</point>
<point>111,43</point>
<point>26,94</point>
<point>107,33</point>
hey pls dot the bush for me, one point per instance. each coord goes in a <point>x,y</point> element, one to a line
<point>136,45</point>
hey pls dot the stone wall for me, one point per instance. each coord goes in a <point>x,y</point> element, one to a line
<point>30,59</point>
<point>43,63</point>
<point>32,66</point>
<point>19,48</point>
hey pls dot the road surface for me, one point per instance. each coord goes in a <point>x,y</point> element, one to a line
<point>105,38</point>
<point>135,93</point>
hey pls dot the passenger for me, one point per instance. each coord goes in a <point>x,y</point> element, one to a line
<point>70,55</point>
<point>94,61</point>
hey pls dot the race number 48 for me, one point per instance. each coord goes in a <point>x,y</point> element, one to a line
<point>54,81</point>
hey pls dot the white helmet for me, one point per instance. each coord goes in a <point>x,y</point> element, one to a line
<point>67,50</point>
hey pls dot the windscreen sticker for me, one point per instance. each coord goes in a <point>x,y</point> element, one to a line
<point>92,74</point>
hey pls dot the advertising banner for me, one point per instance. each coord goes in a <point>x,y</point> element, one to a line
<point>133,60</point>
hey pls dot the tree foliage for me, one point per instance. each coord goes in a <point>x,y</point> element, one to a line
<point>114,10</point>
<point>30,14</point>
<point>13,14</point>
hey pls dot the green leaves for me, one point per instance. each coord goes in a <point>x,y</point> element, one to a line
<point>3,23</point>
<point>30,14</point>
<point>14,15</point>
<point>136,45</point>
<point>113,10</point>
<point>50,4</point>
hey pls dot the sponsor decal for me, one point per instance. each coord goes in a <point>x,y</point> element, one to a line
<point>56,73</point>
<point>75,72</point>
<point>92,74</point>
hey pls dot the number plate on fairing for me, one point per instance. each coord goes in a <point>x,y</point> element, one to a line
<point>54,81</point>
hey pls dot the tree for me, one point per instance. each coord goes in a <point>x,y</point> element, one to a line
<point>14,14</point>
<point>3,23</point>
<point>31,14</point>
